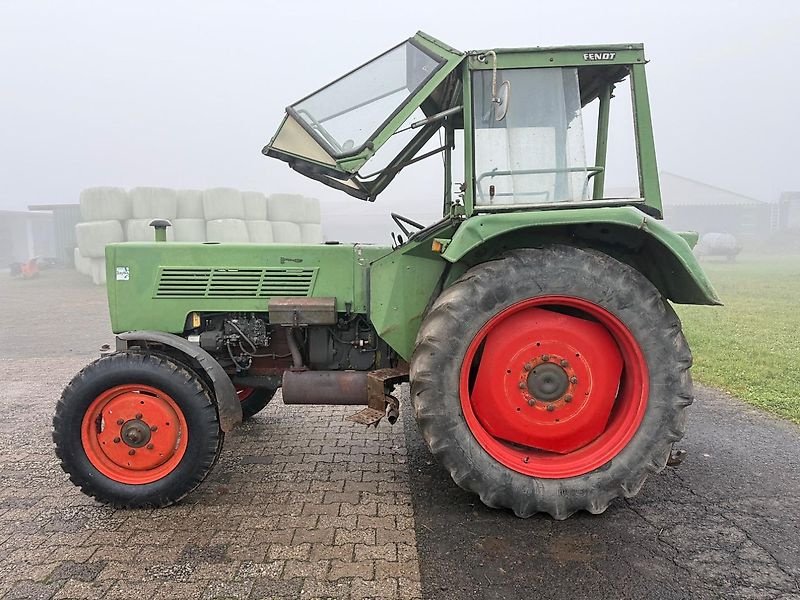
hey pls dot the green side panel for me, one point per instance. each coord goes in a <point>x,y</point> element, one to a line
<point>401,286</point>
<point>155,285</point>
<point>646,243</point>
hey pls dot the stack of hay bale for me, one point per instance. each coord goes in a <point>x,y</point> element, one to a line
<point>216,215</point>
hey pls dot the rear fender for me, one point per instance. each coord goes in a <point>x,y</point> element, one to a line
<point>626,233</point>
<point>229,408</point>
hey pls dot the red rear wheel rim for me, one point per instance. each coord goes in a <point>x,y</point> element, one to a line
<point>134,434</point>
<point>554,386</point>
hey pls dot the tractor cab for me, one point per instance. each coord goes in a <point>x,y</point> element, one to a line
<point>517,115</point>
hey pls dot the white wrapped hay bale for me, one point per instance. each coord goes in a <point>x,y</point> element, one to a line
<point>223,203</point>
<point>93,236</point>
<point>290,208</point>
<point>83,265</point>
<point>284,232</point>
<point>189,230</point>
<point>98,270</point>
<point>190,204</point>
<point>260,232</point>
<point>153,203</point>
<point>311,211</point>
<point>227,230</point>
<point>139,230</point>
<point>255,206</point>
<point>105,204</point>
<point>311,233</point>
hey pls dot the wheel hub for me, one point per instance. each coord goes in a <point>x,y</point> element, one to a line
<point>547,382</point>
<point>135,433</point>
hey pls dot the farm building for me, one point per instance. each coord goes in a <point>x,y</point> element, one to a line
<point>24,235</point>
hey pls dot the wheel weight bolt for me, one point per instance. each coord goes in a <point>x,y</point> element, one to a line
<point>120,421</point>
<point>573,379</point>
<point>131,451</point>
<point>545,357</point>
<point>153,427</point>
<point>522,385</point>
<point>149,446</point>
<point>550,408</point>
<point>528,366</point>
<point>568,398</point>
<point>116,440</point>
<point>138,415</point>
<point>531,402</point>
<point>565,363</point>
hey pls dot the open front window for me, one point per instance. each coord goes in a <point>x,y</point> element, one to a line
<point>344,115</point>
<point>529,144</point>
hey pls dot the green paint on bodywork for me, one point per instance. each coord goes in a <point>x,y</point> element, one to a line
<point>624,232</point>
<point>339,271</point>
<point>401,287</point>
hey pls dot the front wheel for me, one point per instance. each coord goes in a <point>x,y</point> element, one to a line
<point>551,380</point>
<point>136,430</point>
<point>253,400</point>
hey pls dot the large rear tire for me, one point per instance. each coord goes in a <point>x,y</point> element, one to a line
<point>136,430</point>
<point>551,380</point>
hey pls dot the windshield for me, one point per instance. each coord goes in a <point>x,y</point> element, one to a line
<point>531,151</point>
<point>345,114</point>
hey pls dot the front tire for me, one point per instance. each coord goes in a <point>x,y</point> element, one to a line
<point>253,400</point>
<point>551,380</point>
<point>136,430</point>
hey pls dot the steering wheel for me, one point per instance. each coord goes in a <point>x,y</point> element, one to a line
<point>400,220</point>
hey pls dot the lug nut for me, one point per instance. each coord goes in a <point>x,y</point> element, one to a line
<point>138,415</point>
<point>568,398</point>
<point>545,357</point>
<point>116,440</point>
<point>531,402</point>
<point>522,385</point>
<point>131,451</point>
<point>153,427</point>
<point>120,421</point>
<point>149,446</point>
<point>573,379</point>
<point>528,366</point>
<point>550,408</point>
<point>564,363</point>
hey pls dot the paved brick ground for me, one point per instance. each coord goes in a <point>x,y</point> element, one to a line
<point>301,504</point>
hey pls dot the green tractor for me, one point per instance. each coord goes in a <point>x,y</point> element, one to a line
<point>547,368</point>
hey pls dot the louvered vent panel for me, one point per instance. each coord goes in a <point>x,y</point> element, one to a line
<point>217,282</point>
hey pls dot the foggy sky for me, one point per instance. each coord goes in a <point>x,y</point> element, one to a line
<point>185,94</point>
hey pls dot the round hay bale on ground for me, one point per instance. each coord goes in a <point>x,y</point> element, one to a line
<point>93,236</point>
<point>255,206</point>
<point>311,211</point>
<point>98,271</point>
<point>286,233</point>
<point>718,244</point>
<point>189,230</point>
<point>290,208</point>
<point>227,230</point>
<point>82,264</point>
<point>139,230</point>
<point>104,204</point>
<point>311,233</point>
<point>260,232</point>
<point>223,203</point>
<point>190,204</point>
<point>153,203</point>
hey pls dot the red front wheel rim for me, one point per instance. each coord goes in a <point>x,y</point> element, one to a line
<point>134,434</point>
<point>554,386</point>
<point>243,392</point>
